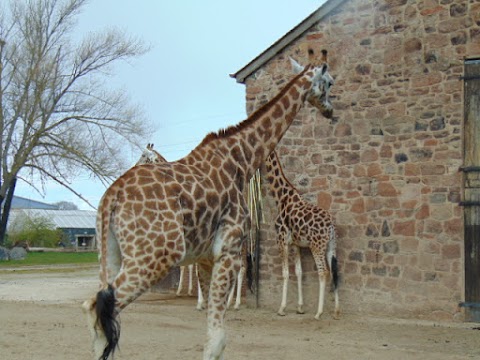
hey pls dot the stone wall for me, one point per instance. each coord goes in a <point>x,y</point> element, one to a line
<point>387,164</point>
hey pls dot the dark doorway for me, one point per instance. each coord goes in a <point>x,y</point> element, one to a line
<point>471,202</point>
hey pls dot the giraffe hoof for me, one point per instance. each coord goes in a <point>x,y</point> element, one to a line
<point>281,313</point>
<point>318,316</point>
<point>336,315</point>
<point>300,310</point>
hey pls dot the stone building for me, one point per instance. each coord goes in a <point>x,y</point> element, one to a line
<point>397,161</point>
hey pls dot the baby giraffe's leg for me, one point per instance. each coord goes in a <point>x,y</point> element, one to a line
<point>298,273</point>
<point>318,253</point>
<point>285,273</point>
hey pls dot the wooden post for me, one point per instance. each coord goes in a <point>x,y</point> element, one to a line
<point>471,201</point>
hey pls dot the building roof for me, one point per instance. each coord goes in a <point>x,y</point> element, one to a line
<point>19,202</point>
<point>62,219</point>
<point>286,40</point>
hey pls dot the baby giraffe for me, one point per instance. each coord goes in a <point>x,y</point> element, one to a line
<point>302,224</point>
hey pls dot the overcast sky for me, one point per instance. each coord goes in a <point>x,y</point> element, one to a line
<point>183,83</point>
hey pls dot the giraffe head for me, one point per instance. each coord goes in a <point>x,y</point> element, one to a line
<point>322,82</point>
<point>150,156</point>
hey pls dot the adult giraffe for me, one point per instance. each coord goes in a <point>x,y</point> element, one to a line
<point>301,224</point>
<point>151,156</point>
<point>155,217</point>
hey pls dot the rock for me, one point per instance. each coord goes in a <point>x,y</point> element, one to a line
<point>18,253</point>
<point>4,254</point>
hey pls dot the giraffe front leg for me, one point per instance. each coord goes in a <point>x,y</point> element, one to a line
<point>298,273</point>
<point>223,279</point>
<point>226,252</point>
<point>285,273</point>
<point>230,296</point>
<point>240,276</point>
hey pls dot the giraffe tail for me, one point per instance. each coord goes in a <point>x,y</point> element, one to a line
<point>332,255</point>
<point>334,267</point>
<point>106,317</point>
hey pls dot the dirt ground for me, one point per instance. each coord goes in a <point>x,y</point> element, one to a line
<point>41,319</point>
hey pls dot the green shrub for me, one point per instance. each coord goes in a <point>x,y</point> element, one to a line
<point>35,231</point>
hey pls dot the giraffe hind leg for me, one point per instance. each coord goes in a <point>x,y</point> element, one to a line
<point>321,295</point>
<point>102,312</point>
<point>319,255</point>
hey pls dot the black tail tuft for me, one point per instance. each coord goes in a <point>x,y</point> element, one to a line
<point>106,316</point>
<point>334,272</point>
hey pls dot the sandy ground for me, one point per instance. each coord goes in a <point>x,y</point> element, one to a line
<point>41,319</point>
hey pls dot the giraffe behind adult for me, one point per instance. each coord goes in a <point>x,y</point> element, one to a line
<point>158,216</point>
<point>150,156</point>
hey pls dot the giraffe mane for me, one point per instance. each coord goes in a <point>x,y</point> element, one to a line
<point>232,130</point>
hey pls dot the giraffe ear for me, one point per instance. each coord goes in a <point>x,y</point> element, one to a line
<point>296,67</point>
<point>320,72</point>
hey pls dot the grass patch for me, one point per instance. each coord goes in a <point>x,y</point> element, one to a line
<point>53,258</point>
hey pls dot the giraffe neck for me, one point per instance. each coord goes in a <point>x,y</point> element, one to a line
<point>249,142</point>
<point>280,187</point>
<point>158,158</point>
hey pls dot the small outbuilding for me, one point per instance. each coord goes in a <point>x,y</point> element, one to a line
<point>77,225</point>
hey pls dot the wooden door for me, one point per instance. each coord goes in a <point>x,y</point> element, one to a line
<point>471,203</point>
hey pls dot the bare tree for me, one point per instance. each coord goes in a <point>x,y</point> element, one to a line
<point>58,118</point>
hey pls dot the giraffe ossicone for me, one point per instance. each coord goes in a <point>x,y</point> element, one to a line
<point>157,216</point>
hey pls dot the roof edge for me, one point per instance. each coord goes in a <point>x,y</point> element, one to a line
<point>285,40</point>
